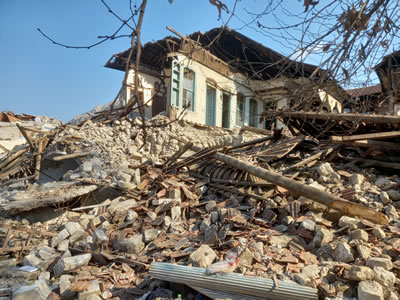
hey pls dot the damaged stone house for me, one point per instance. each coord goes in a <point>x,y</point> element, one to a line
<point>388,71</point>
<point>222,78</point>
<point>383,98</point>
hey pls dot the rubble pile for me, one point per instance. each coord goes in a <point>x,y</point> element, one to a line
<point>95,230</point>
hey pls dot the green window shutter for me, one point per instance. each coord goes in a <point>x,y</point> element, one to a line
<point>175,83</point>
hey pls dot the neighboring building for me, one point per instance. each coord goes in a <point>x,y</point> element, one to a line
<point>368,99</point>
<point>389,75</point>
<point>222,78</point>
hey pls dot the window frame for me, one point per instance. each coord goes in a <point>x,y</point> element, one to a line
<point>240,113</point>
<point>176,89</point>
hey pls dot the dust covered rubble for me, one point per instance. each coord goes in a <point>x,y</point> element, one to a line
<point>105,249</point>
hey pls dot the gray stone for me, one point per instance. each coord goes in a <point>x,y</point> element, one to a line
<point>93,289</point>
<point>211,236</point>
<point>100,237</point>
<point>166,223</point>
<point>202,257</point>
<point>303,280</point>
<point>384,197</point>
<point>281,228</point>
<point>44,276</point>
<point>68,264</point>
<point>211,205</point>
<point>132,245</point>
<point>359,234</point>
<point>364,251</point>
<point>357,179</point>
<point>308,224</point>
<point>380,262</point>
<point>204,225</point>
<point>322,237</point>
<point>124,205</point>
<point>246,258</point>
<point>384,277</point>
<point>62,235</point>
<point>358,273</point>
<point>369,290</point>
<point>214,217</point>
<point>65,284</point>
<point>391,212</point>
<point>123,177</point>
<point>32,260</point>
<point>378,232</point>
<point>47,253</point>
<point>136,176</point>
<point>87,166</point>
<point>75,230</point>
<point>37,291</point>
<point>325,169</point>
<point>394,195</point>
<point>280,240</point>
<point>343,253</point>
<point>312,271</point>
<point>63,246</point>
<point>352,223</point>
<point>150,234</point>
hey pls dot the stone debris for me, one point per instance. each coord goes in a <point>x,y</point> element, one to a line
<point>117,207</point>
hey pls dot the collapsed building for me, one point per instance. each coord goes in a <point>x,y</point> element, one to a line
<point>107,210</point>
<point>223,78</point>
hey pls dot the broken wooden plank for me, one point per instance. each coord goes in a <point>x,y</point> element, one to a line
<point>373,163</point>
<point>256,130</point>
<point>72,155</point>
<point>379,135</point>
<point>310,159</point>
<point>26,136</point>
<point>369,144</point>
<point>57,197</point>
<point>370,119</point>
<point>310,192</point>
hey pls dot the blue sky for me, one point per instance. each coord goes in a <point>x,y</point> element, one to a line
<point>40,78</point>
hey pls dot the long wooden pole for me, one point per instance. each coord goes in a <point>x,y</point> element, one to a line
<point>310,192</point>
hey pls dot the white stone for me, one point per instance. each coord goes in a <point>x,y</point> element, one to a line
<point>391,212</point>
<point>343,253</point>
<point>356,179</point>
<point>384,197</point>
<point>352,223</point>
<point>308,224</point>
<point>380,262</point>
<point>378,232</point>
<point>384,277</point>
<point>369,290</point>
<point>358,273</point>
<point>67,264</point>
<point>359,234</point>
<point>37,291</point>
<point>202,257</point>
<point>394,195</point>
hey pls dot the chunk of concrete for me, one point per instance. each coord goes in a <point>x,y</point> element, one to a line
<point>360,235</point>
<point>384,277</point>
<point>359,273</point>
<point>68,264</point>
<point>352,223</point>
<point>93,289</point>
<point>343,253</point>
<point>385,199</point>
<point>322,237</point>
<point>369,290</point>
<point>202,257</point>
<point>37,291</point>
<point>385,263</point>
<point>132,245</point>
<point>308,225</point>
<point>150,234</point>
<point>364,251</point>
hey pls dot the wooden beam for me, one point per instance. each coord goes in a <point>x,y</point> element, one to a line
<point>379,135</point>
<point>371,119</point>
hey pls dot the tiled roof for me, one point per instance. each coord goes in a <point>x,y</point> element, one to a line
<point>365,91</point>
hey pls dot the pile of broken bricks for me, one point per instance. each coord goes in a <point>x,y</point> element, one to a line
<point>189,216</point>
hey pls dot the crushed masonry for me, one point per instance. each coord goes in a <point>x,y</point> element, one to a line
<point>86,212</point>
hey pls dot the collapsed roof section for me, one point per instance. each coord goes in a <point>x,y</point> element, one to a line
<point>243,55</point>
<point>388,71</point>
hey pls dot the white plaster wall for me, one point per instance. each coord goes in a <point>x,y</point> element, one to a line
<point>147,86</point>
<point>231,86</point>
